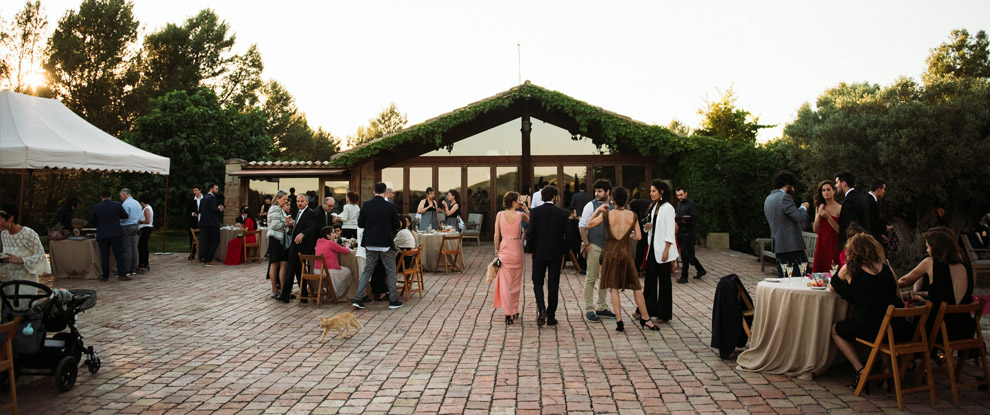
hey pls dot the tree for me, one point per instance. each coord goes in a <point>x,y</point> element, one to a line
<point>962,56</point>
<point>182,58</point>
<point>291,135</point>
<point>198,135</point>
<point>389,120</point>
<point>723,119</point>
<point>24,47</point>
<point>89,61</point>
<point>242,83</point>
<point>679,128</point>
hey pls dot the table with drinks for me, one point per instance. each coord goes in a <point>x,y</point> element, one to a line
<point>792,325</point>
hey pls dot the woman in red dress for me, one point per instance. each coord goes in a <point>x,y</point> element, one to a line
<point>234,252</point>
<point>827,227</point>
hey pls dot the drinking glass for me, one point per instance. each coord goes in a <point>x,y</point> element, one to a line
<point>788,269</point>
<point>835,268</point>
<point>803,268</point>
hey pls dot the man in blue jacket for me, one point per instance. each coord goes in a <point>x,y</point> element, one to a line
<point>380,221</point>
<point>105,217</point>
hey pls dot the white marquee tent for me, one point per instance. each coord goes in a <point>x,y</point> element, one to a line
<point>39,133</point>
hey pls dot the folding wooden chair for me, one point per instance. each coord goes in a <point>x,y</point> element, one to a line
<point>7,332</point>
<point>194,248</point>
<point>456,262</point>
<point>962,346</point>
<point>410,274</point>
<point>309,275</point>
<point>256,245</point>
<point>748,311</point>
<point>902,351</point>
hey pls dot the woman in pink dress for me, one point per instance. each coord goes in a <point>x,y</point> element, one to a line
<point>827,227</point>
<point>509,250</point>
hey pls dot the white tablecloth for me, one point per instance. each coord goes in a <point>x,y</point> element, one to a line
<point>431,244</point>
<point>792,329</point>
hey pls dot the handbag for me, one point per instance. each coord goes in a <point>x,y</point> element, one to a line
<point>492,270</point>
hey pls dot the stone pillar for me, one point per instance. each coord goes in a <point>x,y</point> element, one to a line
<point>234,191</point>
<point>366,179</point>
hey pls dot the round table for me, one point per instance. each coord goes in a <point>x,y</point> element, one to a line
<point>792,329</point>
<point>431,244</point>
<point>228,233</point>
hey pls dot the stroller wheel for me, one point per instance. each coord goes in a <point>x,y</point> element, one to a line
<point>93,364</point>
<point>65,373</point>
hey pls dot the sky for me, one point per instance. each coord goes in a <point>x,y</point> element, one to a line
<point>654,61</point>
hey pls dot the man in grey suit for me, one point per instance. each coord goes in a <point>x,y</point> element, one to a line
<point>786,220</point>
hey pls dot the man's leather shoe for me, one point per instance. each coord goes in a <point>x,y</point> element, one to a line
<point>542,319</point>
<point>682,280</point>
<point>125,278</point>
<point>551,321</point>
<point>700,274</point>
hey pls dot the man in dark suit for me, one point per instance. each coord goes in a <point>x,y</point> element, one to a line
<point>380,222</point>
<point>546,237</point>
<point>855,208</point>
<point>305,227</point>
<point>105,217</point>
<point>579,199</point>
<point>687,222</point>
<point>878,227</point>
<point>786,221</point>
<point>194,215</point>
<point>326,211</point>
<point>209,225</point>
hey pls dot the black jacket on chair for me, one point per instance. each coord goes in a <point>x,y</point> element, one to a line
<point>548,232</point>
<point>380,221</point>
<point>727,317</point>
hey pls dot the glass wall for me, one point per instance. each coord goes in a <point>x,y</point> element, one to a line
<point>544,175</point>
<point>301,184</point>
<point>634,180</point>
<point>337,190</point>
<point>257,190</point>
<point>604,172</point>
<point>392,177</point>
<point>574,177</point>
<point>507,179</point>
<point>478,199</point>
<point>419,179</point>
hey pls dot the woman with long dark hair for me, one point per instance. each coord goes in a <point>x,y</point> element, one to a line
<point>661,253</point>
<point>950,278</point>
<point>452,208</point>
<point>827,227</point>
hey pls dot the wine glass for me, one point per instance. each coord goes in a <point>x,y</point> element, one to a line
<point>788,269</point>
<point>803,268</point>
<point>835,268</point>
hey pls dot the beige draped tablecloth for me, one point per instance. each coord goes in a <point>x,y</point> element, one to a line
<point>431,244</point>
<point>78,259</point>
<point>350,261</point>
<point>792,329</point>
<point>226,234</point>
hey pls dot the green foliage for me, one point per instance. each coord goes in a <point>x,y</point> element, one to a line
<point>292,138</point>
<point>962,56</point>
<point>929,142</point>
<point>242,83</point>
<point>89,61</point>
<point>388,121</point>
<point>198,135</point>
<point>723,119</point>
<point>22,46</point>
<point>679,128</point>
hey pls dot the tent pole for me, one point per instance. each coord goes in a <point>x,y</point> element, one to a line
<point>20,195</point>
<point>165,217</point>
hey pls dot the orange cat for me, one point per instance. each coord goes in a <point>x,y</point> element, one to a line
<point>342,323</point>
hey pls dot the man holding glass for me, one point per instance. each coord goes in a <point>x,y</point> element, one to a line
<point>786,220</point>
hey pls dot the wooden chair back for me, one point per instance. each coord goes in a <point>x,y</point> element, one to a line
<point>309,275</point>
<point>7,332</point>
<point>256,245</point>
<point>940,341</point>
<point>194,248</point>
<point>748,311</point>
<point>885,343</point>
<point>452,258</point>
<point>979,258</point>
<point>411,275</point>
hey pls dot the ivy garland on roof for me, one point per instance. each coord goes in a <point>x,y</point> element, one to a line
<point>604,128</point>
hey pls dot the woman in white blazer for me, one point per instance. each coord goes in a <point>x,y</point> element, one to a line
<point>661,253</point>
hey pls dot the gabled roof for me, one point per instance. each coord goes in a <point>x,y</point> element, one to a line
<point>605,128</point>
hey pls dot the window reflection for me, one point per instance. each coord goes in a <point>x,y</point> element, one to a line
<point>507,180</point>
<point>420,178</point>
<point>634,180</point>
<point>604,172</point>
<point>337,190</point>
<point>392,177</point>
<point>478,199</point>
<point>574,178</point>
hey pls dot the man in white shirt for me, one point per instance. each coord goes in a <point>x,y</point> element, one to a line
<point>592,244</point>
<point>194,220</point>
<point>537,198</point>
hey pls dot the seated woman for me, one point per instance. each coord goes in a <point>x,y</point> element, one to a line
<point>405,239</point>
<point>854,229</point>
<point>234,253</point>
<point>950,278</point>
<point>868,284</point>
<point>340,276</point>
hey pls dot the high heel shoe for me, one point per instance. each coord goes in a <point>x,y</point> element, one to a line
<point>508,320</point>
<point>855,384</point>
<point>619,326</point>
<point>642,323</point>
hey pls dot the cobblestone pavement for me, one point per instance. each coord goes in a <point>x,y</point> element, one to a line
<point>188,339</point>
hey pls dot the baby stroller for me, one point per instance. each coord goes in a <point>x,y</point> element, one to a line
<point>42,346</point>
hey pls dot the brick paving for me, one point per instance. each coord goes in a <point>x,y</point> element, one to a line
<point>185,339</point>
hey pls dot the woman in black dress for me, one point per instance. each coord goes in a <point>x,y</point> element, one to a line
<point>951,281</point>
<point>869,285</point>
